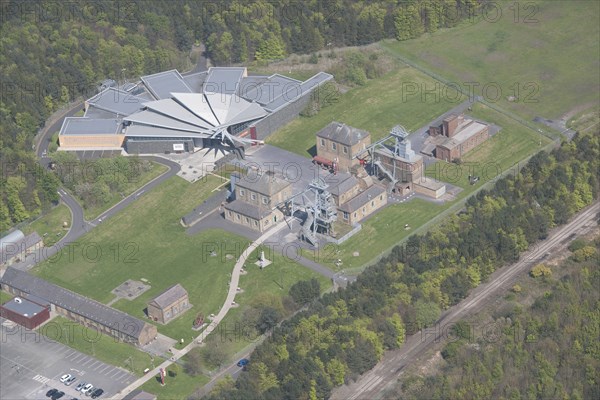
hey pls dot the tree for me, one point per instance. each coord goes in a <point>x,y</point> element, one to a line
<point>214,355</point>
<point>267,320</point>
<point>303,292</point>
<point>193,362</point>
<point>270,50</point>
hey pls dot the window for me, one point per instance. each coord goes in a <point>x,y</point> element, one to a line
<point>237,216</point>
<point>381,197</point>
<point>242,192</point>
<point>354,214</point>
<point>372,203</point>
<point>253,196</point>
<point>322,142</point>
<point>345,150</point>
<point>266,222</point>
<point>247,220</point>
<point>363,210</point>
<point>229,213</point>
<point>265,200</point>
<point>255,223</point>
<point>333,146</point>
<point>346,215</point>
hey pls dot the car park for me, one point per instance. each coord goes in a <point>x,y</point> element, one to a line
<point>87,388</point>
<point>69,381</point>
<point>65,377</point>
<point>97,393</point>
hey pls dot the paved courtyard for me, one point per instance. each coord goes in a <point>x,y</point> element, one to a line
<point>31,364</point>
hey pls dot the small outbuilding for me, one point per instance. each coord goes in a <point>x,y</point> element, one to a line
<point>25,312</point>
<point>169,304</point>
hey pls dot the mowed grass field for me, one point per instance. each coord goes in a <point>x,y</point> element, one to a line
<point>376,107</point>
<point>548,50</point>
<point>51,225</point>
<point>146,241</point>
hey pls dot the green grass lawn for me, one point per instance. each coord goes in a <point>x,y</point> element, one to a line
<point>157,169</point>
<point>376,107</point>
<point>5,296</point>
<point>178,387</point>
<point>98,345</point>
<point>147,241</point>
<point>51,224</point>
<point>546,49</point>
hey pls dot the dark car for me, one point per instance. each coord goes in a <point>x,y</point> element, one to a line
<point>51,392</point>
<point>57,395</point>
<point>97,393</point>
<point>243,362</point>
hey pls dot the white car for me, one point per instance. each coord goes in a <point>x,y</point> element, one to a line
<point>87,389</point>
<point>65,377</point>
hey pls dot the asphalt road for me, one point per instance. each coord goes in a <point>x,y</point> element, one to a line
<point>373,383</point>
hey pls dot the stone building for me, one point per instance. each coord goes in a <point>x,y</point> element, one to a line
<point>339,143</point>
<point>169,304</point>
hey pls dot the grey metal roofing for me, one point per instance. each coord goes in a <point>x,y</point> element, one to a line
<point>249,84</point>
<point>294,93</point>
<point>117,101</point>
<point>155,119</point>
<point>266,184</point>
<point>223,79</point>
<point>25,308</point>
<point>247,209</point>
<point>403,157</point>
<point>74,302</point>
<point>89,126</point>
<point>173,109</point>
<point>162,84</point>
<point>155,131</point>
<point>18,245</point>
<point>169,296</point>
<point>342,133</point>
<point>363,198</point>
<point>11,238</point>
<point>97,113</point>
<point>343,186</point>
<point>196,81</point>
<point>273,88</point>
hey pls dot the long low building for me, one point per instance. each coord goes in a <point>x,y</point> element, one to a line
<point>168,112</point>
<point>80,308</point>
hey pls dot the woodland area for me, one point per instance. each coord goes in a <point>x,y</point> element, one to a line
<point>546,350</point>
<point>344,334</point>
<point>54,52</point>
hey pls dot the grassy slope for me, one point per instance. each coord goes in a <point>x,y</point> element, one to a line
<point>559,53</point>
<point>52,224</point>
<point>375,107</point>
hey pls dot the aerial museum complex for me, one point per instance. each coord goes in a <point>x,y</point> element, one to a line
<point>171,115</point>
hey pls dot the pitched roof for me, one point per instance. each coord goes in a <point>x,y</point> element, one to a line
<point>267,183</point>
<point>361,199</point>
<point>342,133</point>
<point>247,209</point>
<point>169,296</point>
<point>74,302</point>
<point>344,186</point>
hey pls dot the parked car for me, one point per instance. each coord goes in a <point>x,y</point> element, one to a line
<point>87,388</point>
<point>65,377</point>
<point>69,381</point>
<point>80,386</point>
<point>51,392</point>
<point>243,362</point>
<point>57,395</point>
<point>97,393</point>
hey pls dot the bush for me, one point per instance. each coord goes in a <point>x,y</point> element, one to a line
<point>540,270</point>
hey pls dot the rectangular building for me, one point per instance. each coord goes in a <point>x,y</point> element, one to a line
<point>25,312</point>
<point>456,136</point>
<point>79,308</point>
<point>339,143</point>
<point>169,304</point>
